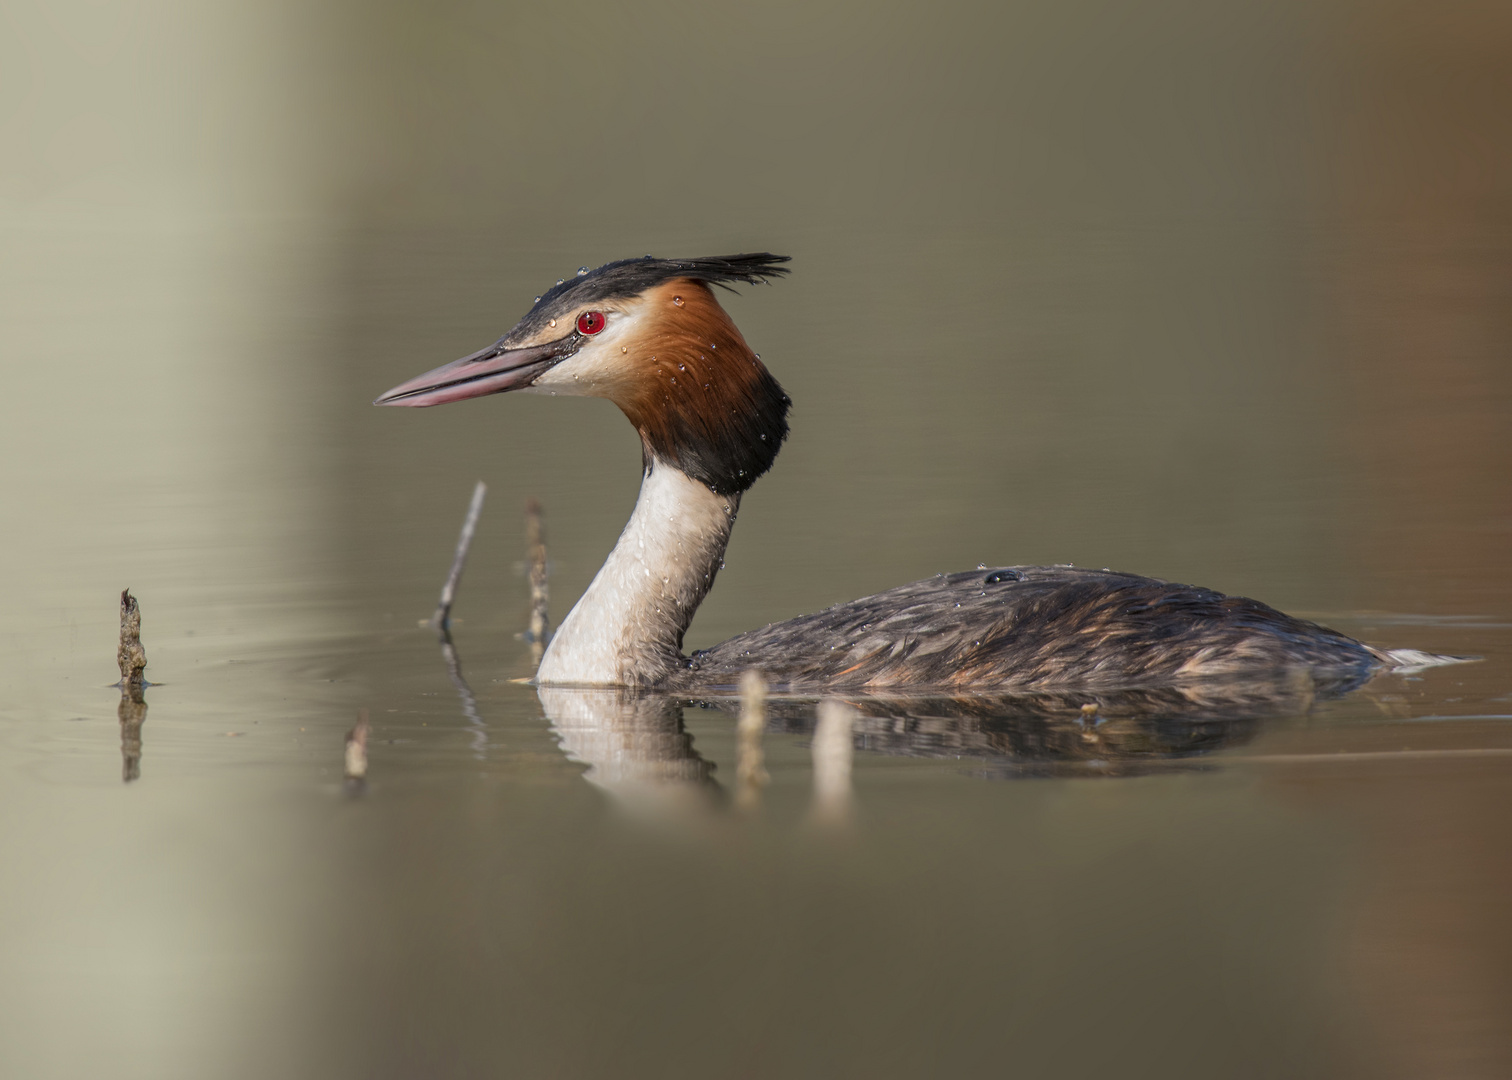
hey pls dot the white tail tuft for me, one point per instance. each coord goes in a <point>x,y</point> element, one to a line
<point>1406,661</point>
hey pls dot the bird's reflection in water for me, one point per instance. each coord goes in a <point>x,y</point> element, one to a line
<point>1119,733</point>
<point>634,742</point>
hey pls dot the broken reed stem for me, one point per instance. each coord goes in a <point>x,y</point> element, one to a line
<point>750,768</point>
<point>130,654</point>
<point>441,620</point>
<point>132,711</point>
<point>536,567</point>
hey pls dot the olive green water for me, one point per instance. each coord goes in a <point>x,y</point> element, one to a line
<point>1217,293</point>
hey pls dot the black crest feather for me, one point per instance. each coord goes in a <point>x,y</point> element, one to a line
<point>631,277</point>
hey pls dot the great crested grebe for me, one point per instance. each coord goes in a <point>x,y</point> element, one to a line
<point>649,335</point>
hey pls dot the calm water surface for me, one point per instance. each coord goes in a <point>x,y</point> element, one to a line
<point>1225,304</point>
<point>567,887</point>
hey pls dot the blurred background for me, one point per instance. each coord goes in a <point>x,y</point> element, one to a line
<point>1217,292</point>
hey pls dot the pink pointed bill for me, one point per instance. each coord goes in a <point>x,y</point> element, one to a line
<point>493,370</point>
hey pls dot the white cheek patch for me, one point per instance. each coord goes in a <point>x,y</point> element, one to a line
<point>601,367</point>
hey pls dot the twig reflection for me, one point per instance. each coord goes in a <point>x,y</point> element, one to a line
<point>464,692</point>
<point>132,713</point>
<point>833,749</point>
<point>750,764</point>
<point>356,758</point>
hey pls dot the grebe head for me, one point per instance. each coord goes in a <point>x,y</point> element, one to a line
<point>649,335</point>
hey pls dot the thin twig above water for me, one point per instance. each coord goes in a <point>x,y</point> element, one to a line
<point>441,620</point>
<point>538,570</point>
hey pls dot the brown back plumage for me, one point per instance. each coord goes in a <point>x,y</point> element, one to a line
<point>1028,627</point>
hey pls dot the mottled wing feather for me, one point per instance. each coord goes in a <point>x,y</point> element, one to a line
<point>1027,626</point>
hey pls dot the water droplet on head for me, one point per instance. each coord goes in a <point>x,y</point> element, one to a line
<point>582,270</point>
<point>623,349</point>
<point>560,280</point>
<point>553,322</point>
<point>712,345</point>
<point>682,367</point>
<point>677,300</point>
<point>538,299</point>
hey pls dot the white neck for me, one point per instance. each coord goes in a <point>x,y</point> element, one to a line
<point>627,629</point>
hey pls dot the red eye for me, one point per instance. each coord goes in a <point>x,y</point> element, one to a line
<point>590,322</point>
